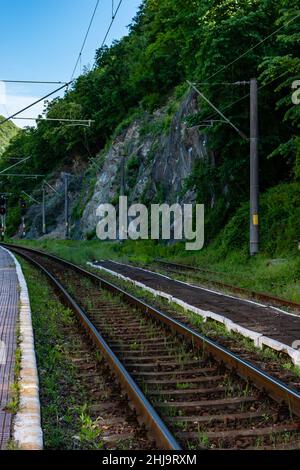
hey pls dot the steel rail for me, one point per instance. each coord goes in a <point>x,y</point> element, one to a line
<point>146,414</point>
<point>276,389</point>
<point>240,290</point>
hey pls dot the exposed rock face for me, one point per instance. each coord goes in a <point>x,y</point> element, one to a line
<point>160,152</point>
<point>158,161</point>
<point>54,208</point>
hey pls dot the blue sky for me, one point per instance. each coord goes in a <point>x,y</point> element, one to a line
<point>41,39</point>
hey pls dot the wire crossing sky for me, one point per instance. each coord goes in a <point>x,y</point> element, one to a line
<point>41,41</point>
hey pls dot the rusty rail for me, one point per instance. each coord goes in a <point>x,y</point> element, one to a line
<point>145,412</point>
<point>276,389</point>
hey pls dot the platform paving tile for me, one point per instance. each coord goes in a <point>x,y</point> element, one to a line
<point>9,301</point>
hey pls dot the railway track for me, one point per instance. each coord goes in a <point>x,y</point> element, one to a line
<point>210,277</point>
<point>188,391</point>
<point>109,422</point>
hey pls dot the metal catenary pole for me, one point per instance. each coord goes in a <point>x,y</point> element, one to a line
<point>122,183</point>
<point>122,223</point>
<point>2,227</point>
<point>67,222</point>
<point>44,211</point>
<point>23,227</point>
<point>254,167</point>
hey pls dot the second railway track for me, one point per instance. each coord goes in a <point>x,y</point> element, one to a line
<point>211,277</point>
<point>185,388</point>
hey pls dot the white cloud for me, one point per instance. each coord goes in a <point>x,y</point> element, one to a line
<point>16,102</point>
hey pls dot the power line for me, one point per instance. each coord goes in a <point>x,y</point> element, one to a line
<point>111,23</point>
<point>248,94</point>
<point>223,83</point>
<point>33,82</point>
<point>15,164</point>
<point>50,186</point>
<point>218,111</point>
<point>22,175</point>
<point>253,47</point>
<point>114,15</point>
<point>80,121</point>
<point>85,38</point>
<point>14,158</point>
<point>238,58</point>
<point>35,102</point>
<point>30,197</point>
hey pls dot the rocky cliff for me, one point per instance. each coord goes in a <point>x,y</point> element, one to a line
<point>160,151</point>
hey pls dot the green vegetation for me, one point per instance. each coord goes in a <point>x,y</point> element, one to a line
<point>13,405</point>
<point>65,419</point>
<point>273,277</point>
<point>170,42</point>
<point>7,131</point>
<point>277,270</point>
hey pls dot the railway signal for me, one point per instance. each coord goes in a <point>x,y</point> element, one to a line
<point>3,215</point>
<point>23,205</point>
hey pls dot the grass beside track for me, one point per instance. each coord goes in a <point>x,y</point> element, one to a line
<point>81,252</point>
<point>65,420</point>
<point>210,329</point>
<point>280,276</point>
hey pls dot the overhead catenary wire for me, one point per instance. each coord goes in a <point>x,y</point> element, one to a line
<point>85,38</point>
<point>253,47</point>
<point>15,164</point>
<point>114,15</point>
<point>244,82</point>
<point>66,84</point>
<point>50,186</point>
<point>248,95</point>
<point>112,22</point>
<point>34,82</point>
<point>218,111</point>
<point>206,82</point>
<point>79,121</point>
<point>21,175</point>
<point>35,102</point>
<point>30,197</point>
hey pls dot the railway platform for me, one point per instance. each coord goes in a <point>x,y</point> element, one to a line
<point>22,428</point>
<point>9,299</point>
<point>264,324</point>
<point>137,343</point>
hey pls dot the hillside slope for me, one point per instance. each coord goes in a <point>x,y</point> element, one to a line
<point>160,153</point>
<point>176,150</point>
<point>7,131</point>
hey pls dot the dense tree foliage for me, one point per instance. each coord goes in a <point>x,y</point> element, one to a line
<point>212,42</point>
<point>7,131</point>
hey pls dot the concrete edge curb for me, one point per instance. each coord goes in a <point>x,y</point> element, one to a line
<point>27,430</point>
<point>258,339</point>
<point>216,292</point>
